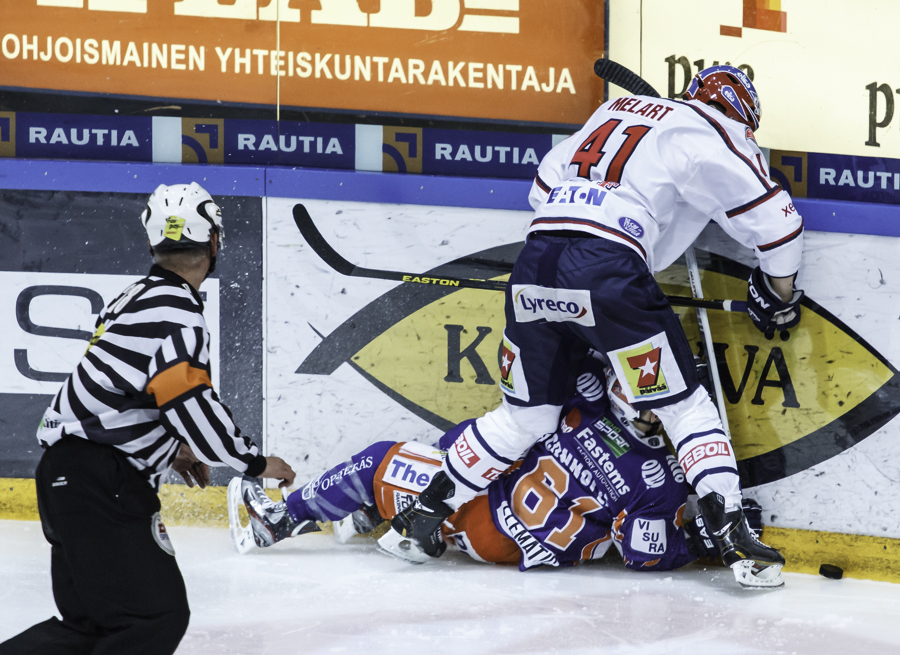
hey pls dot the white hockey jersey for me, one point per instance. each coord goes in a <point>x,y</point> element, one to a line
<point>650,173</point>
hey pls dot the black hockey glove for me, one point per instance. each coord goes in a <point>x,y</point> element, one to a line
<point>766,308</point>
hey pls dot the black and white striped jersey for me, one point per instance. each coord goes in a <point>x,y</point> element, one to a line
<point>144,386</point>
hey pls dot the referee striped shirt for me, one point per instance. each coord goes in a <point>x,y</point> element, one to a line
<point>144,386</point>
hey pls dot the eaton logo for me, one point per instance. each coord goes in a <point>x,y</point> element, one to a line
<point>583,194</point>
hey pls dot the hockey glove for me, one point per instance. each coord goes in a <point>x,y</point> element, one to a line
<point>766,308</point>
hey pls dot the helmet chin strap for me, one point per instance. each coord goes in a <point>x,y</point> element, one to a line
<point>652,429</point>
<point>212,261</point>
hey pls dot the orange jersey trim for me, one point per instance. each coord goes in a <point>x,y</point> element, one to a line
<point>175,381</point>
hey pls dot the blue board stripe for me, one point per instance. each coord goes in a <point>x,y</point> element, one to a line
<point>360,186</point>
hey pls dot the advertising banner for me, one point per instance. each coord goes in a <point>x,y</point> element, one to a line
<point>63,257</point>
<point>837,177</point>
<point>488,59</point>
<point>813,98</point>
<point>353,360</point>
<point>74,136</point>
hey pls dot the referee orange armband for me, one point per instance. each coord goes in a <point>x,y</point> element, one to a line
<point>176,381</point>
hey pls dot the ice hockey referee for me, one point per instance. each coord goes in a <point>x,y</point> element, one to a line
<point>139,402</point>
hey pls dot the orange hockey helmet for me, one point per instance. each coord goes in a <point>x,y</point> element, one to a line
<point>730,88</point>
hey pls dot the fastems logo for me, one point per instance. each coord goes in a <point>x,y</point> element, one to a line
<point>463,15</point>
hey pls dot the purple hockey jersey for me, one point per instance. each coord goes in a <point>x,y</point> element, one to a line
<point>592,484</point>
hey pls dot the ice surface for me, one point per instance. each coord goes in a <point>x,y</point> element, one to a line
<point>310,595</point>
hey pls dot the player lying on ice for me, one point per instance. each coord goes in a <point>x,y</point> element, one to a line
<point>605,477</point>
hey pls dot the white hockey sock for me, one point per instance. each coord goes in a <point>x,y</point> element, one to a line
<point>492,444</point>
<point>704,452</point>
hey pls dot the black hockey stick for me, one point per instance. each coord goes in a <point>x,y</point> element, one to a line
<point>620,76</point>
<point>331,257</point>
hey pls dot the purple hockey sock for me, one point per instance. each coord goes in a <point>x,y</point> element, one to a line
<point>341,490</point>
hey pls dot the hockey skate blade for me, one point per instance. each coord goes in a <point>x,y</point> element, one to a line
<point>344,530</point>
<point>765,578</point>
<point>396,545</point>
<point>241,537</point>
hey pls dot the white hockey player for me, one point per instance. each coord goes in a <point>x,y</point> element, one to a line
<point>615,203</point>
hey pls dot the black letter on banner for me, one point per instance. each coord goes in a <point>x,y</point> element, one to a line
<point>783,382</point>
<point>455,355</point>
<point>23,306</point>
<point>731,394</point>
<point>874,124</point>
<point>686,67</point>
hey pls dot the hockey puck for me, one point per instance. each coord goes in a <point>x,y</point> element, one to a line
<point>831,571</point>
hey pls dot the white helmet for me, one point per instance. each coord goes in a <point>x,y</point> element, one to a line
<point>181,216</point>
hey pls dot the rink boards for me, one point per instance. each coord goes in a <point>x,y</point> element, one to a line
<point>316,365</point>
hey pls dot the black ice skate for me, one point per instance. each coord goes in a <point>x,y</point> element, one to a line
<point>754,564</point>
<point>270,522</point>
<point>415,533</point>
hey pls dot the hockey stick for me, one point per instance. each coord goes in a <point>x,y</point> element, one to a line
<point>331,257</point>
<point>690,258</point>
<point>620,76</point>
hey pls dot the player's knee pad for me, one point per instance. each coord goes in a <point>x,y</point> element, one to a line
<point>704,451</point>
<point>690,416</point>
<point>490,445</point>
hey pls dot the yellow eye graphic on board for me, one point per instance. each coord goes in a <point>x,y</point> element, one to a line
<point>791,405</point>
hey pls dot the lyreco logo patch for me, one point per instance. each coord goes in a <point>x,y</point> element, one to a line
<point>648,368</point>
<point>533,303</point>
<point>649,536</point>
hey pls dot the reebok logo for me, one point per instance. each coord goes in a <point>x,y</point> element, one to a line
<point>60,482</point>
<point>533,303</point>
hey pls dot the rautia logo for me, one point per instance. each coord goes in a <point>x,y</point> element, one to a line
<point>533,303</point>
<point>632,227</point>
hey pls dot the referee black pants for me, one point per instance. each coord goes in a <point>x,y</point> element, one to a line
<point>118,590</point>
